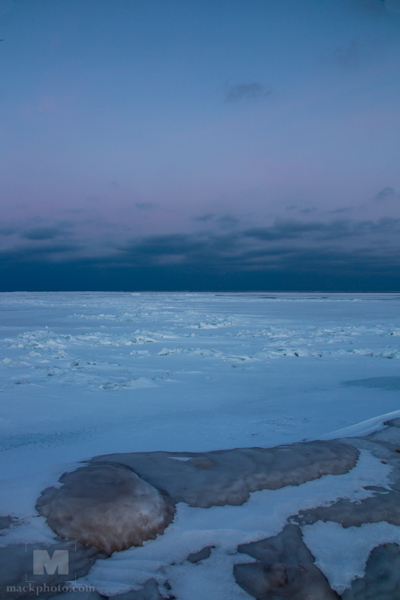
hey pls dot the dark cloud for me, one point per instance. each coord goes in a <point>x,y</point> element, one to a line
<point>339,211</point>
<point>284,235</point>
<point>224,221</point>
<point>39,252</point>
<point>385,194</point>
<point>145,205</point>
<point>42,233</point>
<point>319,231</point>
<point>246,91</point>
<point>165,245</point>
<point>288,254</point>
<point>303,211</point>
<point>54,250</point>
<point>257,246</point>
<point>227,221</point>
<point>7,231</point>
<point>204,218</point>
<point>224,263</point>
<point>288,230</point>
<point>192,249</point>
<point>74,211</point>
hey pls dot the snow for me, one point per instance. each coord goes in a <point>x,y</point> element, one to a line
<point>88,374</point>
<point>345,555</point>
<point>363,428</point>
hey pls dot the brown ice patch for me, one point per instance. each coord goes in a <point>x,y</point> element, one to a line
<point>229,476</point>
<point>106,506</point>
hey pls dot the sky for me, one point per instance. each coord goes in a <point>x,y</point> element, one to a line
<point>200,145</point>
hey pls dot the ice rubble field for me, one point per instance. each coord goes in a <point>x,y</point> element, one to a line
<point>86,374</point>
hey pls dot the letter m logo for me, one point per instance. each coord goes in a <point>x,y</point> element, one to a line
<point>42,561</point>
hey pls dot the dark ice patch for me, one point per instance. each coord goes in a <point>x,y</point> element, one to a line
<point>284,569</point>
<point>203,554</point>
<point>382,576</point>
<point>226,477</point>
<point>383,383</point>
<point>381,507</point>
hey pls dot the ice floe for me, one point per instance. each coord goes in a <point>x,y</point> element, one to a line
<point>144,383</point>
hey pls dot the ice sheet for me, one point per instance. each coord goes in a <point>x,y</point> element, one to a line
<point>86,374</point>
<point>268,371</point>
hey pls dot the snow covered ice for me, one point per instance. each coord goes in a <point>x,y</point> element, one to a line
<point>190,377</point>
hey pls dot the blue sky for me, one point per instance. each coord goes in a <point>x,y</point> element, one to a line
<point>181,144</point>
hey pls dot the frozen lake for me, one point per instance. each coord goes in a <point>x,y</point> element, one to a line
<point>86,374</point>
<point>94,373</point>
